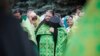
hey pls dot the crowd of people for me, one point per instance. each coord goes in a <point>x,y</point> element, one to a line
<point>49,34</point>
<point>48,31</point>
<point>67,21</point>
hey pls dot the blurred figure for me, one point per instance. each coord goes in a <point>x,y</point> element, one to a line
<point>77,15</point>
<point>28,26</point>
<point>70,23</point>
<point>64,19</point>
<point>13,40</point>
<point>85,41</point>
<point>33,17</point>
<point>48,14</point>
<point>51,36</point>
<point>18,14</point>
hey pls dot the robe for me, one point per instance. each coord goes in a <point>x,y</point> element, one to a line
<point>46,43</point>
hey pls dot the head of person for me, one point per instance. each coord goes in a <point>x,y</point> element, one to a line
<point>32,16</point>
<point>17,13</point>
<point>78,10</point>
<point>55,22</point>
<point>49,14</point>
<point>70,21</point>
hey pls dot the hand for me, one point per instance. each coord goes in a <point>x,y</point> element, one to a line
<point>51,30</point>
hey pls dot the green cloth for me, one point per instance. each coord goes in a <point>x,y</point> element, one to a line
<point>85,40</point>
<point>47,43</point>
<point>24,17</point>
<point>28,27</point>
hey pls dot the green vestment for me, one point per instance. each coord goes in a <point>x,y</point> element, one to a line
<point>46,45</point>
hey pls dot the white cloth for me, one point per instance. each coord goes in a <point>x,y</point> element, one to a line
<point>68,29</point>
<point>42,17</point>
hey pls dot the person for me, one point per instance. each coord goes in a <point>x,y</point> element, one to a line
<point>18,14</point>
<point>46,14</point>
<point>64,19</point>
<point>85,41</point>
<point>13,40</point>
<point>33,17</point>
<point>77,14</point>
<point>70,23</point>
<point>51,36</point>
<point>29,27</point>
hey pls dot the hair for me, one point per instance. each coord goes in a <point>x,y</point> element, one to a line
<point>29,10</point>
<point>71,16</point>
<point>79,7</point>
<point>17,11</point>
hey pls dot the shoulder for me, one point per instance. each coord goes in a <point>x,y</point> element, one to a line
<point>43,29</point>
<point>62,29</point>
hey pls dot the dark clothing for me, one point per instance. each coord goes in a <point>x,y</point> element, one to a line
<point>13,40</point>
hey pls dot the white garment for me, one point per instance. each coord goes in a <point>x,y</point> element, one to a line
<point>75,18</point>
<point>68,29</point>
<point>42,17</point>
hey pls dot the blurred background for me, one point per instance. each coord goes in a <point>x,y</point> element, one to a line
<point>40,6</point>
